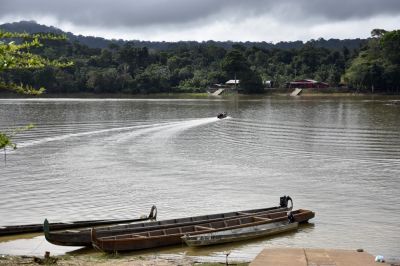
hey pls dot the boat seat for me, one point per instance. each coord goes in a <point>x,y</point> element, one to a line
<point>203,227</point>
<point>72,231</point>
<point>244,213</point>
<point>130,236</point>
<point>256,218</point>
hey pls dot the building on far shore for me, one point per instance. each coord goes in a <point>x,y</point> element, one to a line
<point>232,83</point>
<point>307,83</point>
<point>229,86</point>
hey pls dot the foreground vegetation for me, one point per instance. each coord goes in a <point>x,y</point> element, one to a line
<point>192,68</point>
<point>16,57</point>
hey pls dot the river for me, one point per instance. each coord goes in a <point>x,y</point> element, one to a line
<point>115,158</point>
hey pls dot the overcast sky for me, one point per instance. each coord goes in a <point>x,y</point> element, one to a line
<point>237,20</point>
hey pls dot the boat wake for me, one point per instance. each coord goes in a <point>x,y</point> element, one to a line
<point>121,134</point>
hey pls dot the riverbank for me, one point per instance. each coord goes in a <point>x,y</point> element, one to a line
<point>105,260</point>
<point>280,92</point>
<point>269,256</point>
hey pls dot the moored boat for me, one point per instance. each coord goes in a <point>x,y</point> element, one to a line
<point>239,234</point>
<point>32,228</point>
<point>82,237</point>
<point>172,236</point>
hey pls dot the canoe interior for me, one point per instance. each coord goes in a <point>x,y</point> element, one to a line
<point>211,226</point>
<point>173,236</point>
<point>82,237</point>
<point>189,219</point>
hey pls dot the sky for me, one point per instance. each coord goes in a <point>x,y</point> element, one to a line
<point>201,20</point>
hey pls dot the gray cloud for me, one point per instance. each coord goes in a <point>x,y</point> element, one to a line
<point>114,13</point>
<point>136,13</point>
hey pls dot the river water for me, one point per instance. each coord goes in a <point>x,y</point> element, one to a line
<point>115,158</point>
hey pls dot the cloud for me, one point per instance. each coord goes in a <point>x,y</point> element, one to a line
<point>206,19</point>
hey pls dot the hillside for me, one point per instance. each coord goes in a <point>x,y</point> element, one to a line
<point>98,42</point>
<point>152,67</point>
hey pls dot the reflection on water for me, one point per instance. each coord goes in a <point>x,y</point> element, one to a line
<point>93,159</point>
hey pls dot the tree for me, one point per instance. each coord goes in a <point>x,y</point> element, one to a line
<point>390,42</point>
<point>376,66</point>
<point>251,82</point>
<point>377,33</point>
<point>235,64</point>
<point>17,56</point>
<point>5,141</point>
<point>153,79</point>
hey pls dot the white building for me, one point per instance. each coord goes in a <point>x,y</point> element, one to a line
<point>232,82</point>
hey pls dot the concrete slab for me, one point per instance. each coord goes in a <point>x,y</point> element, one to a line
<point>280,256</point>
<point>218,92</point>
<point>296,92</point>
<point>313,257</point>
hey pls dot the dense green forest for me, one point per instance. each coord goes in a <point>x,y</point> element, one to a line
<point>377,65</point>
<point>126,67</point>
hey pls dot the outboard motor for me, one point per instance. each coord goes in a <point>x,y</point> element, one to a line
<point>284,202</point>
<point>153,213</point>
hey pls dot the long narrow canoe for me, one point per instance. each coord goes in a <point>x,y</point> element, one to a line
<point>172,236</point>
<point>32,228</point>
<point>239,234</point>
<point>83,237</point>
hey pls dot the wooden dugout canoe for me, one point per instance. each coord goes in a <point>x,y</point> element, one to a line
<point>239,234</point>
<point>32,228</point>
<point>172,236</point>
<point>83,237</point>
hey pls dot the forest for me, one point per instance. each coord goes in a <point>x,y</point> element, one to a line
<point>130,68</point>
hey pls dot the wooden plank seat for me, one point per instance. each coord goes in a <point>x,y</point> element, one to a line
<point>203,227</point>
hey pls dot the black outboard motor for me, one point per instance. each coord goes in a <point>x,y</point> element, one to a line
<point>284,202</point>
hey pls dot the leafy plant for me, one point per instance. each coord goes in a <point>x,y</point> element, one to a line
<point>6,139</point>
<point>16,55</point>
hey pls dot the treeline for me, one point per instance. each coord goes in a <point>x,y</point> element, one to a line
<point>131,69</point>
<point>98,42</point>
<point>377,66</point>
<point>128,68</point>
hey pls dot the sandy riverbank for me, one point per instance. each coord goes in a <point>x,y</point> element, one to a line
<point>106,260</point>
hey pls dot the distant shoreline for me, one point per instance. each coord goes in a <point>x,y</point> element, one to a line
<point>283,92</point>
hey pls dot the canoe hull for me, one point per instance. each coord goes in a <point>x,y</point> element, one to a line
<point>83,237</point>
<point>33,228</point>
<point>239,234</point>
<point>138,244</point>
<point>160,238</point>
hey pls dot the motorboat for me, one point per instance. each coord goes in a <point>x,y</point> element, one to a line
<point>222,115</point>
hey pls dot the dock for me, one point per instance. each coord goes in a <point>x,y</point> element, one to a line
<point>313,257</point>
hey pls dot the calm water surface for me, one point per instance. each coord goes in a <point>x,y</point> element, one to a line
<point>109,158</point>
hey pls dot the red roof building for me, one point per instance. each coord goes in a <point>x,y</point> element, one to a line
<point>308,83</point>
